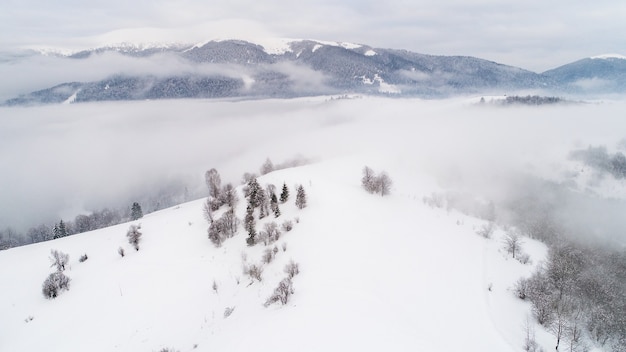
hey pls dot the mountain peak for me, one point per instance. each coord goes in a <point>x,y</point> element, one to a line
<point>609,56</point>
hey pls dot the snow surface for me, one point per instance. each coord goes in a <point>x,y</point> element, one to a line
<point>370,52</point>
<point>376,274</point>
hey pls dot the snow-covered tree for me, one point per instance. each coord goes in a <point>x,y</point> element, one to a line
<point>301,198</point>
<point>134,236</point>
<point>213,182</point>
<point>383,182</point>
<point>513,243</point>
<point>54,283</point>
<point>250,225</point>
<point>368,181</point>
<point>59,259</point>
<point>267,167</point>
<point>135,211</point>
<point>284,195</point>
<point>274,205</point>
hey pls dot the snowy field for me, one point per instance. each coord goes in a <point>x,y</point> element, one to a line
<point>376,273</point>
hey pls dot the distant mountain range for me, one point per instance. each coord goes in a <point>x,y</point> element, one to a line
<point>241,69</point>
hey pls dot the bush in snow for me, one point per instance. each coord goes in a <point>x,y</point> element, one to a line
<point>287,225</point>
<point>134,236</point>
<point>54,284</point>
<point>292,269</point>
<point>121,252</point>
<point>376,184</point>
<point>83,258</point>
<point>486,230</point>
<point>268,256</point>
<point>282,293</point>
<point>59,259</point>
<point>255,272</point>
<point>228,311</point>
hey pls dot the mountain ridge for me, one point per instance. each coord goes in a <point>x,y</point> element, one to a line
<point>285,68</point>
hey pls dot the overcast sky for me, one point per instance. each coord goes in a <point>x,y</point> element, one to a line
<point>532,34</point>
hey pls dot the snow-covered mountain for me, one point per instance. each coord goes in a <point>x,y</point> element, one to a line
<point>284,68</point>
<point>598,74</point>
<point>376,273</point>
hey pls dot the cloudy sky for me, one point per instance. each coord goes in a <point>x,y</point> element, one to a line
<point>532,34</point>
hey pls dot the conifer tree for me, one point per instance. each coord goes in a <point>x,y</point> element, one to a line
<point>284,195</point>
<point>135,211</point>
<point>301,198</point>
<point>274,205</point>
<point>253,193</point>
<point>250,224</point>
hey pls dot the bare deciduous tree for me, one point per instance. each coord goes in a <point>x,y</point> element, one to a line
<point>59,259</point>
<point>513,243</point>
<point>134,236</point>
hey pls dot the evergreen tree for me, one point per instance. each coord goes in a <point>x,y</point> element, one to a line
<point>250,224</point>
<point>274,205</point>
<point>263,204</point>
<point>301,198</point>
<point>59,230</point>
<point>284,195</point>
<point>136,212</point>
<point>253,193</point>
<point>55,232</point>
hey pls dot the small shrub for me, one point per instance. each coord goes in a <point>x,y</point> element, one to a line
<point>83,258</point>
<point>214,286</point>
<point>268,256</point>
<point>121,252</point>
<point>275,250</point>
<point>228,311</point>
<point>524,258</point>
<point>486,230</point>
<point>254,272</point>
<point>521,288</point>
<point>287,225</point>
<point>54,284</point>
<point>284,246</point>
<point>282,292</point>
<point>292,269</point>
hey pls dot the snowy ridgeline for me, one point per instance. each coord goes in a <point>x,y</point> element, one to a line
<point>375,273</point>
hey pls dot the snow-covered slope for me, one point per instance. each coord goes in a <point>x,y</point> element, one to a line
<point>376,273</point>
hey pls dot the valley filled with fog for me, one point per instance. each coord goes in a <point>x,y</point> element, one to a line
<point>61,161</point>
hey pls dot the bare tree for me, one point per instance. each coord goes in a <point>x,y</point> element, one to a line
<point>213,182</point>
<point>383,182</point>
<point>368,179</point>
<point>59,259</point>
<point>513,243</point>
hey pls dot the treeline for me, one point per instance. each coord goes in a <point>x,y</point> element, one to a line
<point>527,100</point>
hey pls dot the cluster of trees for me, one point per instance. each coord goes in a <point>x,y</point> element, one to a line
<point>265,200</point>
<point>580,292</point>
<point>57,281</point>
<point>527,100</point>
<point>10,238</point>
<point>376,184</point>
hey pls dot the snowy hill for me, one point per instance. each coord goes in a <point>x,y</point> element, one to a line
<point>596,75</point>
<point>388,274</point>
